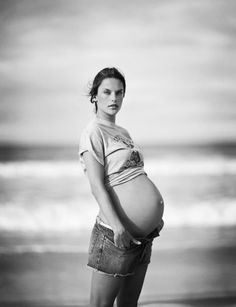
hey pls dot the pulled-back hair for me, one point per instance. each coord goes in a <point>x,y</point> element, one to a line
<point>108,72</point>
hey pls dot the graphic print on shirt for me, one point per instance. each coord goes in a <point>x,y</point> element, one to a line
<point>121,139</point>
<point>134,160</point>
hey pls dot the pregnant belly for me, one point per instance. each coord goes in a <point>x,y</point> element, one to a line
<point>139,204</point>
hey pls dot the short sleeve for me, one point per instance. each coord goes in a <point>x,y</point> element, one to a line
<point>91,140</point>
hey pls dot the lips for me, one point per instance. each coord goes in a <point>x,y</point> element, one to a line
<point>113,106</point>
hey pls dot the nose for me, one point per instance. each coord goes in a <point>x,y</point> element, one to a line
<point>113,96</point>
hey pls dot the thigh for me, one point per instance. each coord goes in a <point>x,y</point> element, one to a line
<point>131,287</point>
<point>104,289</point>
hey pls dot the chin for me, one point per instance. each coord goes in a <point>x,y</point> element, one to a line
<point>113,112</point>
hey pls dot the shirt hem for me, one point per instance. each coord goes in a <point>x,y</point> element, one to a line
<point>119,183</point>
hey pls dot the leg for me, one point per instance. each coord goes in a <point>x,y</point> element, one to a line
<point>131,288</point>
<point>104,289</point>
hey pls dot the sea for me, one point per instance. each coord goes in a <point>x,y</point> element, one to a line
<point>44,192</point>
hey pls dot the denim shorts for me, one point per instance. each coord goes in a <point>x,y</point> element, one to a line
<point>105,257</point>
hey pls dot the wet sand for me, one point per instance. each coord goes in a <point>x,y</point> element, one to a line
<point>190,267</point>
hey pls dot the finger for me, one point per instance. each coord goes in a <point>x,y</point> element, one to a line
<point>118,243</point>
<point>123,244</point>
<point>136,241</point>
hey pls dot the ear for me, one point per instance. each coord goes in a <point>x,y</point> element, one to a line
<point>94,99</point>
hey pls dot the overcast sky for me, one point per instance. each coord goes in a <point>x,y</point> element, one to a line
<point>179,59</point>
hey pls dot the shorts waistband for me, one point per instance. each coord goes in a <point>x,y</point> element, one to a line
<point>99,221</point>
<point>109,232</point>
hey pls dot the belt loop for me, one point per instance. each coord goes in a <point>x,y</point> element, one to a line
<point>144,250</point>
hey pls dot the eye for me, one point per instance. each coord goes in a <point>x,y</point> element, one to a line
<point>106,92</point>
<point>120,92</point>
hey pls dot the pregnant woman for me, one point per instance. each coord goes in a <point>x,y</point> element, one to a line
<point>130,205</point>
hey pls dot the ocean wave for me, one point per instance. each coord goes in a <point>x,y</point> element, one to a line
<point>204,213</point>
<point>46,217</point>
<point>206,166</point>
<point>42,248</point>
<point>48,169</point>
<point>165,167</point>
<point>62,217</point>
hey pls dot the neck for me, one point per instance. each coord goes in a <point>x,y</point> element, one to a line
<point>106,117</point>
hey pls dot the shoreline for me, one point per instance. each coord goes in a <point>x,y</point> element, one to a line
<point>202,273</point>
<point>210,301</point>
<point>171,238</point>
<point>10,152</point>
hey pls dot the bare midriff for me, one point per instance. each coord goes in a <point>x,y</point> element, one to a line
<point>139,205</point>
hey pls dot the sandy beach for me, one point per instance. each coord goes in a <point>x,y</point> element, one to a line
<point>190,267</point>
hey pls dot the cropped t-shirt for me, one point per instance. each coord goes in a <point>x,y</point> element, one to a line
<point>112,146</point>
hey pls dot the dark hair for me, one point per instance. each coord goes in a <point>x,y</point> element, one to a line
<point>108,72</point>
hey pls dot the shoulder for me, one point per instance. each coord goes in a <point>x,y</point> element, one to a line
<point>91,130</point>
<point>91,140</point>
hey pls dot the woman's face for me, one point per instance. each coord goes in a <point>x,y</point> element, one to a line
<point>109,97</point>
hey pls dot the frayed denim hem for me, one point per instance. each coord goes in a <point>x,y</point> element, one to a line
<point>116,275</point>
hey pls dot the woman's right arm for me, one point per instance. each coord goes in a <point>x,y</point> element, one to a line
<point>95,172</point>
